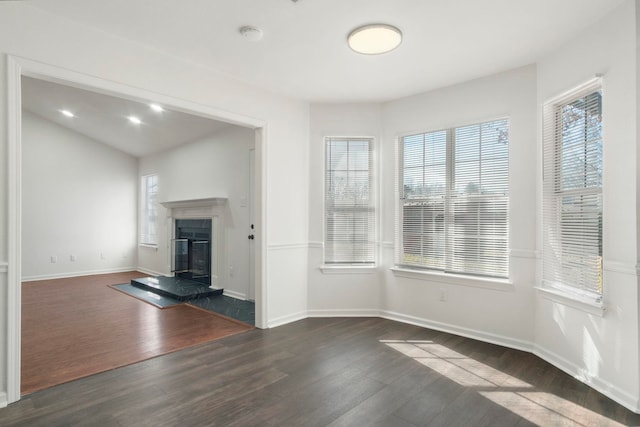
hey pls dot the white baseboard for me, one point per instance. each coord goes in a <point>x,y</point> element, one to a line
<point>150,272</point>
<point>77,274</point>
<point>625,399</point>
<point>4,401</point>
<point>458,330</point>
<point>234,294</point>
<point>283,320</point>
<point>359,312</point>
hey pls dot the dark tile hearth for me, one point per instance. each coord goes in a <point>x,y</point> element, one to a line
<point>183,290</point>
<point>175,287</point>
<point>245,311</point>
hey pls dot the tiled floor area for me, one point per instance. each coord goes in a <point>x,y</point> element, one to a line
<point>245,311</point>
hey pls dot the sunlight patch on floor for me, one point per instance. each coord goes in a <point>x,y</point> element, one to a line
<point>501,388</point>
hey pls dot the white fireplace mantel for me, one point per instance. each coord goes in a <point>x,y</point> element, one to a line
<point>193,204</point>
<point>212,207</point>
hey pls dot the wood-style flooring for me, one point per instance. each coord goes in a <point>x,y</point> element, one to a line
<point>337,372</point>
<point>79,326</point>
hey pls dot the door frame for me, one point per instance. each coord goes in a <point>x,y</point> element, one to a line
<point>18,67</point>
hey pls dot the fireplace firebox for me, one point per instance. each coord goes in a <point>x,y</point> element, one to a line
<point>192,250</point>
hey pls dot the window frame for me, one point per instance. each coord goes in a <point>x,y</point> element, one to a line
<point>331,266</point>
<point>447,274</point>
<point>574,294</point>
<point>148,212</point>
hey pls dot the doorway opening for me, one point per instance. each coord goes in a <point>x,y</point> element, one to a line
<point>19,68</point>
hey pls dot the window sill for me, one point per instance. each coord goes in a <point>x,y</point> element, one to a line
<point>504,285</point>
<point>148,245</point>
<point>348,269</point>
<point>585,304</point>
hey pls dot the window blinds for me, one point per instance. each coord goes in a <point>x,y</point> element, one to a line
<point>454,199</point>
<point>572,192</point>
<point>149,215</point>
<point>349,204</point>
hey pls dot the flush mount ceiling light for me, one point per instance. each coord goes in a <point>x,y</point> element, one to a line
<point>250,33</point>
<point>375,39</point>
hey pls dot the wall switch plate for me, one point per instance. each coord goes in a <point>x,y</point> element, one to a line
<point>54,259</point>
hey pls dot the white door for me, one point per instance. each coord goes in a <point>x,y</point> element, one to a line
<point>251,294</point>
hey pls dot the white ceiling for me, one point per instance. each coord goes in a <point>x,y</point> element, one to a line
<point>304,54</point>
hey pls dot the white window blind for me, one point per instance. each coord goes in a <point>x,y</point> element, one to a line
<point>454,200</point>
<point>349,202</point>
<point>572,192</point>
<point>149,211</point>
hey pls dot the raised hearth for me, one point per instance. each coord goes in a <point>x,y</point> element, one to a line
<point>177,288</point>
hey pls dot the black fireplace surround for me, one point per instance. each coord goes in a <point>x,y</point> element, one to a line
<point>192,250</point>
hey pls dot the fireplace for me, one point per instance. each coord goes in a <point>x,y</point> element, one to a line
<point>192,250</point>
<point>196,231</point>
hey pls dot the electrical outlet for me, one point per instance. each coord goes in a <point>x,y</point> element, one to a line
<point>72,258</point>
<point>443,295</point>
<point>54,259</point>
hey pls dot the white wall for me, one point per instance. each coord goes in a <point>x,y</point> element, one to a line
<point>215,166</point>
<point>338,292</point>
<point>78,198</point>
<point>602,350</point>
<point>505,315</point>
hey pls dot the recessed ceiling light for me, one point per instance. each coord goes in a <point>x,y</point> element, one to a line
<point>156,107</point>
<point>67,113</point>
<point>374,39</point>
<point>134,119</point>
<point>250,33</point>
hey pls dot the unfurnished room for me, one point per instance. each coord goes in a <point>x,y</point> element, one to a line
<point>305,212</point>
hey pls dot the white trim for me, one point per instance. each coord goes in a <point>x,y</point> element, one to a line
<point>354,312</point>
<point>14,232</point>
<point>148,245</point>
<point>524,253</point>
<point>459,330</point>
<point>621,267</point>
<point>213,209</point>
<point>195,203</point>
<point>348,269</point>
<point>387,245</point>
<point>287,246</point>
<point>316,245</point>
<point>504,285</point>
<point>577,91</point>
<point>612,391</point>
<point>149,272</point>
<point>77,274</point>
<point>584,304</point>
<point>4,267</point>
<point>289,318</point>
<point>3,400</point>
<point>234,294</point>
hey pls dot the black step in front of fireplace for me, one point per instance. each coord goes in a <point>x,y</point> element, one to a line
<point>175,287</point>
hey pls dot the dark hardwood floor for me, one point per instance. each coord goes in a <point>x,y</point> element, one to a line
<point>338,372</point>
<point>79,326</point>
